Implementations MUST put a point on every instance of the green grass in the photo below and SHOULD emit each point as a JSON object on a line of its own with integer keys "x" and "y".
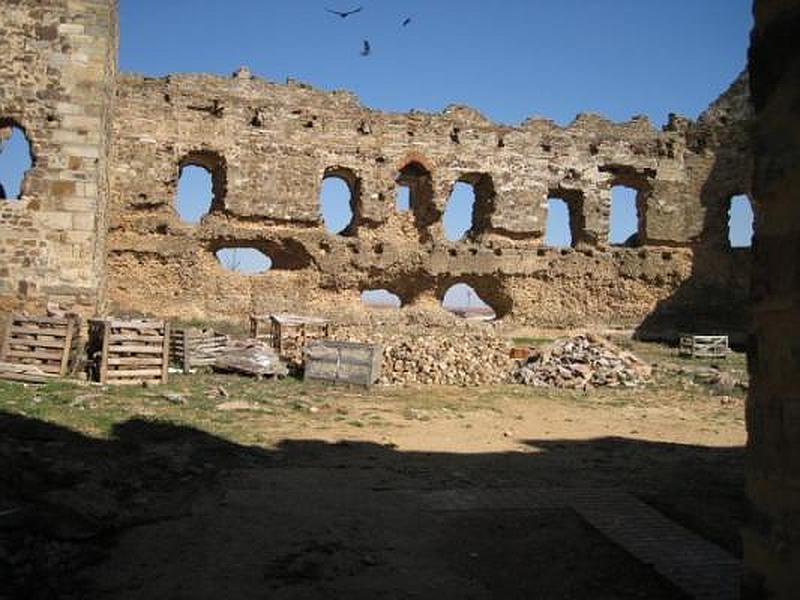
{"x": 291, "y": 404}
{"x": 531, "y": 341}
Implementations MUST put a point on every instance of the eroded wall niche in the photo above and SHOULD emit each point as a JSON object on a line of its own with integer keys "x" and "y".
{"x": 417, "y": 179}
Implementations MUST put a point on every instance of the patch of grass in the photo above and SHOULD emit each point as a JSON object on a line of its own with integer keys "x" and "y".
{"x": 292, "y": 405}
{"x": 531, "y": 341}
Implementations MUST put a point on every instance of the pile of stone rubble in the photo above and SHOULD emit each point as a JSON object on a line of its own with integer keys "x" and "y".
{"x": 458, "y": 358}
{"x": 582, "y": 362}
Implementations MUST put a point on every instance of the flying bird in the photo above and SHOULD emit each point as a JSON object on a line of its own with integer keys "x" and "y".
{"x": 366, "y": 49}
{"x": 345, "y": 13}
{"x": 407, "y": 21}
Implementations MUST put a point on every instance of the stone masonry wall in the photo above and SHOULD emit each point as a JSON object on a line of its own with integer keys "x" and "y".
{"x": 58, "y": 71}
{"x": 771, "y": 542}
{"x": 269, "y": 147}
{"x": 108, "y": 150}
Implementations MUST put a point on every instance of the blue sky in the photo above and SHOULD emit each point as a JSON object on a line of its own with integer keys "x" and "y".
{"x": 510, "y": 60}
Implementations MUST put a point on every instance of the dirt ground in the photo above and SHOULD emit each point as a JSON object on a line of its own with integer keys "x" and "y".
{"x": 218, "y": 486}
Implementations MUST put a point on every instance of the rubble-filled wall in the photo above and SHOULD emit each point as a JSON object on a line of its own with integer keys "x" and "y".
{"x": 771, "y": 542}
{"x": 58, "y": 71}
{"x": 269, "y": 147}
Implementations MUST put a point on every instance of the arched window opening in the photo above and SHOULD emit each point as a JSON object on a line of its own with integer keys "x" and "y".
{"x": 16, "y": 159}
{"x": 558, "y": 228}
{"x": 380, "y": 298}
{"x": 462, "y": 300}
{"x": 470, "y": 206}
{"x": 457, "y": 217}
{"x": 336, "y": 204}
{"x": 194, "y": 193}
{"x": 623, "y": 225}
{"x": 202, "y": 181}
{"x": 740, "y": 222}
{"x": 402, "y": 199}
{"x": 244, "y": 260}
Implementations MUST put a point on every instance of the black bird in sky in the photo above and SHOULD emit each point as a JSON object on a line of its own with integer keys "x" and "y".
{"x": 366, "y": 49}
{"x": 407, "y": 21}
{"x": 345, "y": 13}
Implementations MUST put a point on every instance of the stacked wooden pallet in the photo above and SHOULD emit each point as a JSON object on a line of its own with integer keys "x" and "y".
{"x": 38, "y": 349}
{"x": 191, "y": 347}
{"x": 704, "y": 346}
{"x": 129, "y": 352}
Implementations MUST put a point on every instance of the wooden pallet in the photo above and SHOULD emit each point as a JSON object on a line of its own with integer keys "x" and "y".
{"x": 192, "y": 347}
{"x": 37, "y": 348}
{"x": 129, "y": 352}
{"x": 703, "y": 346}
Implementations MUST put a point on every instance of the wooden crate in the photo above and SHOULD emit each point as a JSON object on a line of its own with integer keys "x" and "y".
{"x": 35, "y": 349}
{"x": 192, "y": 347}
{"x": 289, "y": 334}
{"x": 703, "y": 346}
{"x": 343, "y": 362}
{"x": 261, "y": 328}
{"x": 129, "y": 352}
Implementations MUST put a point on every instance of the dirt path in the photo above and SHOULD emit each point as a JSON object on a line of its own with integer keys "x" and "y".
{"x": 315, "y": 492}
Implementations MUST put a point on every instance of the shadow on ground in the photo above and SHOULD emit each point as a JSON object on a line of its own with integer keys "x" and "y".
{"x": 165, "y": 511}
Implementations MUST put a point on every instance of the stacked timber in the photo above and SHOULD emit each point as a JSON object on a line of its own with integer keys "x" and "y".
{"x": 38, "y": 349}
{"x": 192, "y": 347}
{"x": 289, "y": 333}
{"x": 129, "y": 352}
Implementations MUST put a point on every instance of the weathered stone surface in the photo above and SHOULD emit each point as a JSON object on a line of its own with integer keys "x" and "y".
{"x": 582, "y": 361}
{"x": 463, "y": 357}
{"x": 59, "y": 74}
{"x": 269, "y": 146}
{"x": 771, "y": 542}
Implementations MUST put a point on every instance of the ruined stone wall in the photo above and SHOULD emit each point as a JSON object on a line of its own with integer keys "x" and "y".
{"x": 771, "y": 541}
{"x": 58, "y": 71}
{"x": 108, "y": 151}
{"x": 269, "y": 146}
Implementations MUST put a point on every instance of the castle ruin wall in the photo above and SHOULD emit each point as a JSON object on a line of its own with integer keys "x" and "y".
{"x": 58, "y": 73}
{"x": 269, "y": 146}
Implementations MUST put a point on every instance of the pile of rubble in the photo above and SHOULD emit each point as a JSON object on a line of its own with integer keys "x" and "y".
{"x": 461, "y": 358}
{"x": 582, "y": 361}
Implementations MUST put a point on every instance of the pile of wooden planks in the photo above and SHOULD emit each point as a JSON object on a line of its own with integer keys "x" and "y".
{"x": 39, "y": 349}
{"x": 192, "y": 347}
{"x": 129, "y": 352}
